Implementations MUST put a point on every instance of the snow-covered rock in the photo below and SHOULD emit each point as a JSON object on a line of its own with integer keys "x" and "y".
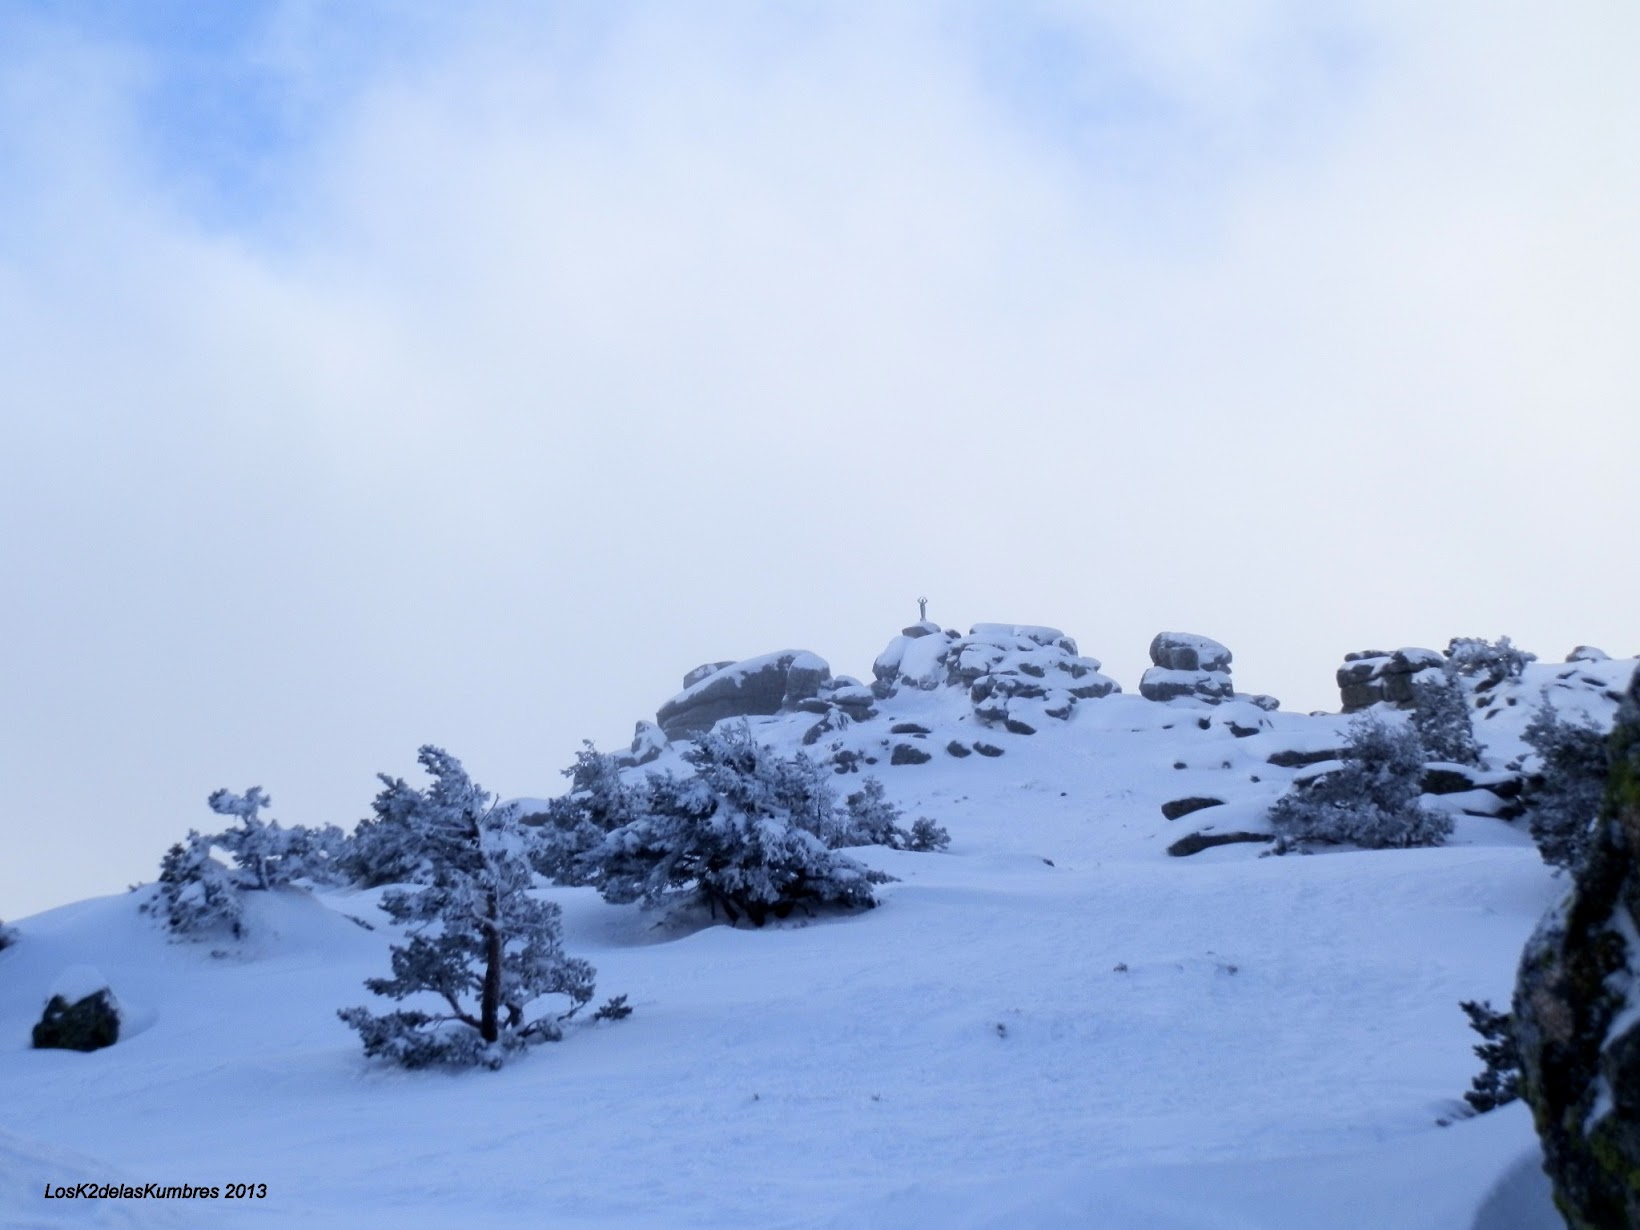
{"x": 760, "y": 685}
{"x": 1577, "y": 1013}
{"x": 1187, "y": 666}
{"x": 1373, "y": 676}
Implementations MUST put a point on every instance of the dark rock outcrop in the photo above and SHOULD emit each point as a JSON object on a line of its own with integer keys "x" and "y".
{"x": 1577, "y": 1011}
{"x": 1301, "y": 760}
{"x": 88, "y": 1024}
{"x": 1175, "y": 808}
{"x": 1373, "y": 676}
{"x": 909, "y": 753}
{"x": 1197, "y": 842}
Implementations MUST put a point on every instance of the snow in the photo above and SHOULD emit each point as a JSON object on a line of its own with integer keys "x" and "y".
{"x": 77, "y": 982}
{"x": 1053, "y": 1023}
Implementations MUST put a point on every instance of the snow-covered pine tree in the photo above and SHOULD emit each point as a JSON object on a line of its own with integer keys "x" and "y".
{"x": 1495, "y": 661}
{"x": 1562, "y": 798}
{"x": 599, "y": 801}
{"x": 196, "y": 895}
{"x": 1370, "y": 800}
{"x": 478, "y": 942}
{"x": 259, "y": 847}
{"x": 386, "y": 847}
{"x": 751, "y": 832}
{"x": 871, "y": 819}
{"x": 1441, "y": 718}
{"x": 1498, "y": 1083}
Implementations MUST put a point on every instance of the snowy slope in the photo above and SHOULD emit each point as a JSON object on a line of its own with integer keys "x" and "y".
{"x": 1053, "y": 1023}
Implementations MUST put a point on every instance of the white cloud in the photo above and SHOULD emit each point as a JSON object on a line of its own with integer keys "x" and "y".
{"x": 568, "y": 355}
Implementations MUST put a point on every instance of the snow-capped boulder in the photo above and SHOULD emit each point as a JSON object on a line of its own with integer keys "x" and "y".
{"x": 761, "y": 685}
{"x": 1374, "y": 676}
{"x": 1577, "y": 1012}
{"x": 702, "y": 671}
{"x": 1186, "y": 666}
{"x": 1184, "y": 651}
{"x": 648, "y": 742}
{"x": 1588, "y": 653}
{"x": 81, "y": 1013}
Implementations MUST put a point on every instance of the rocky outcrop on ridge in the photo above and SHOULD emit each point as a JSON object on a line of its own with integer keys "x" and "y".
{"x": 1018, "y": 676}
{"x": 771, "y": 683}
{"x": 1187, "y": 666}
{"x": 1374, "y": 676}
{"x": 1577, "y": 1011}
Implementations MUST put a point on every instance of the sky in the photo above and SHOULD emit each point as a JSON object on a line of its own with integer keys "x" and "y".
{"x": 379, "y": 374}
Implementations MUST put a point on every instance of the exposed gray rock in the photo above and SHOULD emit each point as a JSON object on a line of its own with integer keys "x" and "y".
{"x": 702, "y": 671}
{"x": 89, "y": 1023}
{"x": 1162, "y": 683}
{"x": 761, "y": 685}
{"x": 648, "y": 742}
{"x": 1575, "y": 1019}
{"x": 1184, "y": 651}
{"x": 1183, "y": 807}
{"x": 909, "y": 753}
{"x": 1446, "y": 779}
{"x": 907, "y": 728}
{"x": 1373, "y": 677}
{"x": 1588, "y": 653}
{"x": 804, "y": 675}
{"x": 987, "y": 749}
{"x": 1197, "y": 842}
{"x": 1300, "y": 760}
{"x": 958, "y": 749}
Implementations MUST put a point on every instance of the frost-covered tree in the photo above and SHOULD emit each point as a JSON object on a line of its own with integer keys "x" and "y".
{"x": 1562, "y": 797}
{"x": 873, "y": 820}
{"x": 752, "y": 833}
{"x": 1495, "y": 661}
{"x": 1498, "y": 1083}
{"x": 196, "y": 895}
{"x": 480, "y": 947}
{"x": 599, "y": 801}
{"x": 388, "y": 846}
{"x": 1441, "y": 718}
{"x": 1370, "y": 800}
{"x": 261, "y": 849}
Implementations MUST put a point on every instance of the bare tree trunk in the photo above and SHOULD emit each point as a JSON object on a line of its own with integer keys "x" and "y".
{"x": 490, "y": 1008}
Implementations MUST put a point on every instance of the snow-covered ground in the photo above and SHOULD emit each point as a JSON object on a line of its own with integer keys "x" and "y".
{"x": 1051, "y": 1024}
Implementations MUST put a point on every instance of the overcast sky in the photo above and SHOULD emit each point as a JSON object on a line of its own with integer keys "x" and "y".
{"x": 384, "y": 373}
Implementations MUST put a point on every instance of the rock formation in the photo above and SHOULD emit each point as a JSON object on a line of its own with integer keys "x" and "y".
{"x": 763, "y": 685}
{"x": 1373, "y": 676}
{"x": 1577, "y": 1011}
{"x": 1018, "y": 676}
{"x": 75, "y": 1022}
{"x": 1187, "y": 666}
